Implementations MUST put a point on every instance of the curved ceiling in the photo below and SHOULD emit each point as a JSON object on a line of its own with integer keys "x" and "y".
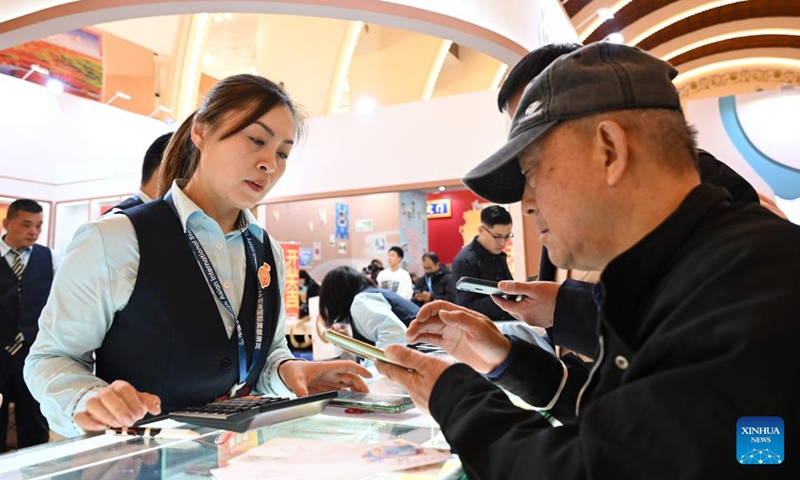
{"x": 720, "y": 47}
{"x": 330, "y": 65}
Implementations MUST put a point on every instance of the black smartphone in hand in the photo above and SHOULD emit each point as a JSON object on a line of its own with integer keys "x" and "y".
{"x": 484, "y": 287}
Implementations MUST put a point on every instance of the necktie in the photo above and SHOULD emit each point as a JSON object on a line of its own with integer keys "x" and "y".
{"x": 16, "y": 267}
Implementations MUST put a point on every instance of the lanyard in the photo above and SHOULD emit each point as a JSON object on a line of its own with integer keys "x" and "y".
{"x": 428, "y": 281}
{"x": 213, "y": 280}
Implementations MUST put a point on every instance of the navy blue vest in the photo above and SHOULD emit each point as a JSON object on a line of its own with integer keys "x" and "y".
{"x": 406, "y": 310}
{"x": 169, "y": 340}
{"x": 37, "y": 278}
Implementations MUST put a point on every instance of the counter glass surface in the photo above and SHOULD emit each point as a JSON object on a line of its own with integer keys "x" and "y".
{"x": 95, "y": 457}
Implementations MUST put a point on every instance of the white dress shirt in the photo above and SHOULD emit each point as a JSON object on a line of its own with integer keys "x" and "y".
{"x": 96, "y": 280}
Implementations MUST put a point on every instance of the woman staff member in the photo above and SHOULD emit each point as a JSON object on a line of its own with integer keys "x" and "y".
{"x": 375, "y": 316}
{"x": 179, "y": 299}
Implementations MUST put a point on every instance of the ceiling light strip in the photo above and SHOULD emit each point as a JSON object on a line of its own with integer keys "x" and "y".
{"x": 599, "y": 19}
{"x": 728, "y": 36}
{"x": 683, "y": 14}
{"x": 340, "y": 85}
{"x": 498, "y": 76}
{"x": 436, "y": 69}
{"x": 192, "y": 58}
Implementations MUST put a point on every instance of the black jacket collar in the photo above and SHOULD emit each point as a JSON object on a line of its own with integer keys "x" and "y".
{"x": 634, "y": 273}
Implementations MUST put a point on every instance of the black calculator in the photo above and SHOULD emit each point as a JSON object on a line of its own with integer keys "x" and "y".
{"x": 250, "y": 412}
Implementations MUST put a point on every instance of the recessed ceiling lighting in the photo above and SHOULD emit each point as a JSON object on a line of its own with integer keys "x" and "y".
{"x": 605, "y": 13}
{"x": 441, "y": 189}
{"x": 365, "y": 105}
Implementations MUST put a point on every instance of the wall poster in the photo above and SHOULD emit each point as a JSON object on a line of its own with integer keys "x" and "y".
{"x": 75, "y": 58}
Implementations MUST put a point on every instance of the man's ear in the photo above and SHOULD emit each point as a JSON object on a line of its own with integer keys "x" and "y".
{"x": 198, "y": 134}
{"x": 612, "y": 142}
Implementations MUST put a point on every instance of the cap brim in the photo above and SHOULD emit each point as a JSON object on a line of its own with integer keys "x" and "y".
{"x": 499, "y": 178}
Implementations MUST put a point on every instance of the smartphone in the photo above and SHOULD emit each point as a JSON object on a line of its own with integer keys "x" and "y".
{"x": 373, "y": 402}
{"x": 484, "y": 287}
{"x": 356, "y": 347}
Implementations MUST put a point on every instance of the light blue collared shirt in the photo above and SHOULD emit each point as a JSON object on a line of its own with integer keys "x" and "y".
{"x": 96, "y": 280}
{"x": 373, "y": 317}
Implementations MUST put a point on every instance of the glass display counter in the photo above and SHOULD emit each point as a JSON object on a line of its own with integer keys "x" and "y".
{"x": 127, "y": 458}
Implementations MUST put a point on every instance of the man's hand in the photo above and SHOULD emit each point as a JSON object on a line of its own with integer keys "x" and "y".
{"x": 538, "y": 306}
{"x": 306, "y": 378}
{"x": 424, "y": 297}
{"x": 420, "y": 375}
{"x": 117, "y": 405}
{"x": 469, "y": 336}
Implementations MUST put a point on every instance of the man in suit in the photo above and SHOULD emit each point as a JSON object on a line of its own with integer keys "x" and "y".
{"x": 26, "y": 275}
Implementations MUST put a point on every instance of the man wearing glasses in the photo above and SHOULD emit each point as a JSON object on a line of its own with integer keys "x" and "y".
{"x": 484, "y": 258}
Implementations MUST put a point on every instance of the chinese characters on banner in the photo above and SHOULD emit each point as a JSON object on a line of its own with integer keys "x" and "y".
{"x": 291, "y": 297}
{"x": 440, "y": 208}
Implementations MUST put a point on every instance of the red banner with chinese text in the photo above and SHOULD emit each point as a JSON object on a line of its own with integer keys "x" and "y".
{"x": 291, "y": 297}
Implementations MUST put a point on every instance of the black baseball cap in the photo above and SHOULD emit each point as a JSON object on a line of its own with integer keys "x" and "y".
{"x": 599, "y": 77}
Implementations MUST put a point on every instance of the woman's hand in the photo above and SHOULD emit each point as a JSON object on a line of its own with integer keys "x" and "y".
{"x": 306, "y": 378}
{"x": 117, "y": 405}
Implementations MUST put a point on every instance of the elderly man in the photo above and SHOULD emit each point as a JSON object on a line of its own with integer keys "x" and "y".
{"x": 696, "y": 304}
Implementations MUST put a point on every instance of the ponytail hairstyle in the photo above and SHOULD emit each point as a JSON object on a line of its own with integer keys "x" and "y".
{"x": 339, "y": 288}
{"x": 252, "y": 95}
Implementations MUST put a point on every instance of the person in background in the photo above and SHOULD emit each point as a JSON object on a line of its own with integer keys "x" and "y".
{"x": 309, "y": 288}
{"x": 26, "y": 276}
{"x": 372, "y": 270}
{"x": 148, "y": 188}
{"x": 604, "y": 163}
{"x": 395, "y": 278}
{"x": 376, "y": 316}
{"x": 438, "y": 283}
{"x": 485, "y": 259}
{"x": 176, "y": 302}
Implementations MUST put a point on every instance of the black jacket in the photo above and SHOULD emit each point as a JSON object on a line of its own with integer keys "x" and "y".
{"x": 698, "y": 326}
{"x": 443, "y": 283}
{"x": 475, "y": 261}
